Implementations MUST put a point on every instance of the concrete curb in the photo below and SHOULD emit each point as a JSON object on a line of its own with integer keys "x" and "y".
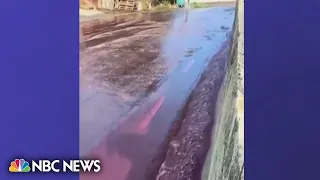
{"x": 225, "y": 159}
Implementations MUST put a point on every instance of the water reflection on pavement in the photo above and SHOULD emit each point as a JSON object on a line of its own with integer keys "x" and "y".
{"x": 135, "y": 76}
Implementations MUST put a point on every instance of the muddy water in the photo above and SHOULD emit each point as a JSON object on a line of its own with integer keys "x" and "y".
{"x": 168, "y": 52}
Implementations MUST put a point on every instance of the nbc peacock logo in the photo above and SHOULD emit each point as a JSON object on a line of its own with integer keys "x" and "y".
{"x": 19, "y": 165}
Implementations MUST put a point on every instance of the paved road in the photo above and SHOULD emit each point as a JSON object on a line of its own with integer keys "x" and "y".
{"x": 137, "y": 71}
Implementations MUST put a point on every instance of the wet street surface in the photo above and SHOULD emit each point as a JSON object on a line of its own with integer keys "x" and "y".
{"x": 136, "y": 74}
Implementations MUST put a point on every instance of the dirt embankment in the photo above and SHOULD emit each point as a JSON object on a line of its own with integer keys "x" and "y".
{"x": 86, "y": 4}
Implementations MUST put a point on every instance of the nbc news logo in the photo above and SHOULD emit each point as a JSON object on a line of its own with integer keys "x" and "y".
{"x": 77, "y": 165}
